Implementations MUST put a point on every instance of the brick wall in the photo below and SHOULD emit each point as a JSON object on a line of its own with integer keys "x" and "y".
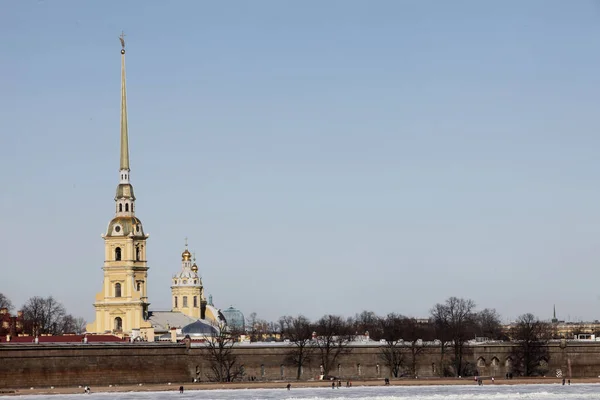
{"x": 38, "y": 365}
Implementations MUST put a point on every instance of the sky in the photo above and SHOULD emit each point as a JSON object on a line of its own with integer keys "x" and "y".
{"x": 322, "y": 157}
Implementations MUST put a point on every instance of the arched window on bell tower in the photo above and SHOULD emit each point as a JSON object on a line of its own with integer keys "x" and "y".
{"x": 118, "y": 254}
{"x": 127, "y": 207}
{"x": 137, "y": 253}
{"x": 117, "y": 290}
{"x": 120, "y": 207}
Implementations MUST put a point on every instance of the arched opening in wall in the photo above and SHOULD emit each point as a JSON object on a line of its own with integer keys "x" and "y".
{"x": 120, "y": 207}
{"x": 195, "y": 301}
{"x": 495, "y": 362}
{"x": 126, "y": 207}
{"x": 117, "y": 290}
{"x": 139, "y": 286}
{"x": 262, "y": 370}
{"x": 176, "y": 302}
{"x": 282, "y": 371}
{"x": 137, "y": 253}
{"x": 118, "y": 254}
{"x": 480, "y": 362}
{"x": 358, "y": 370}
{"x": 118, "y": 324}
{"x": 508, "y": 364}
{"x": 339, "y": 369}
{"x": 185, "y": 301}
{"x": 378, "y": 370}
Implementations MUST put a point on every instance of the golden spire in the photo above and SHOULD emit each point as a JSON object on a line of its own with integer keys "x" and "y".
{"x": 124, "y": 137}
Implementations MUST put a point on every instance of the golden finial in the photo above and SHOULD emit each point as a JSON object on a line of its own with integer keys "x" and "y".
{"x": 122, "y": 39}
{"x": 186, "y": 255}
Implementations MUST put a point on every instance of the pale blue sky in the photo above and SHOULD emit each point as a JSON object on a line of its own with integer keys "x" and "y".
{"x": 321, "y": 156}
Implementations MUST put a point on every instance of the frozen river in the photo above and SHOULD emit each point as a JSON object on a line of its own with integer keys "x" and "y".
{"x": 487, "y": 392}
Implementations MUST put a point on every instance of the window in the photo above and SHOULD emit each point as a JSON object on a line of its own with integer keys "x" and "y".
{"x": 117, "y": 290}
{"x": 126, "y": 206}
{"x": 137, "y": 251}
{"x": 118, "y": 324}
{"x": 185, "y": 301}
{"x": 176, "y": 303}
{"x": 139, "y": 286}
{"x": 481, "y": 362}
{"x": 118, "y": 254}
{"x": 120, "y": 207}
{"x": 195, "y": 301}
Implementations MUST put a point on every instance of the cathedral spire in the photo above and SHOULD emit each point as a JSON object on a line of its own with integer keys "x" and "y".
{"x": 124, "y": 136}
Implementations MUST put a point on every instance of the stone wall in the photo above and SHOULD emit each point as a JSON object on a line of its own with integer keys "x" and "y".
{"x": 37, "y": 365}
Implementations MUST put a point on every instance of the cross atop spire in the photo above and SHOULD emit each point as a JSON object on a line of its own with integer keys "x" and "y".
{"x": 186, "y": 244}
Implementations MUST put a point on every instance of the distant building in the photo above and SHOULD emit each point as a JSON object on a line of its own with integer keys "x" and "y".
{"x": 234, "y": 318}
{"x": 10, "y": 324}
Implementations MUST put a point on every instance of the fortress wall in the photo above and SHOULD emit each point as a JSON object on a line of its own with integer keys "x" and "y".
{"x": 38, "y": 365}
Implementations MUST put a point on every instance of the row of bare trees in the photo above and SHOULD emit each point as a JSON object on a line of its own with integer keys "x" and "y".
{"x": 403, "y": 340}
{"x": 44, "y": 315}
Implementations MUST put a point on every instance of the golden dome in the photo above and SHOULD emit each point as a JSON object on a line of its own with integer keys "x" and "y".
{"x": 186, "y": 255}
{"x": 195, "y": 268}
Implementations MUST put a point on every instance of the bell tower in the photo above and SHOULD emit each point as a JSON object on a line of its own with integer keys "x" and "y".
{"x": 187, "y": 291}
{"x": 122, "y": 304}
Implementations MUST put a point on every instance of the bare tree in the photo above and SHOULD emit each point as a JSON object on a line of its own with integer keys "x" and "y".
{"x": 5, "y": 302}
{"x": 367, "y": 321}
{"x": 413, "y": 334}
{"x": 458, "y": 317}
{"x": 440, "y": 323}
{"x": 218, "y": 350}
{"x": 298, "y": 330}
{"x": 530, "y": 351}
{"x": 43, "y": 316}
{"x": 332, "y": 337}
{"x": 70, "y": 324}
{"x": 391, "y": 352}
{"x": 488, "y": 324}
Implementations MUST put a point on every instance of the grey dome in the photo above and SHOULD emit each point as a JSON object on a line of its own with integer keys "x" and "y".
{"x": 199, "y": 328}
{"x": 234, "y": 318}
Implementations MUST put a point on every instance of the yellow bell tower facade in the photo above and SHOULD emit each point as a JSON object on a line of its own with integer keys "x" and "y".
{"x": 187, "y": 291}
{"x": 122, "y": 304}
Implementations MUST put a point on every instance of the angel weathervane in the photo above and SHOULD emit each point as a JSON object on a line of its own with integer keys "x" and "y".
{"x": 122, "y": 39}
